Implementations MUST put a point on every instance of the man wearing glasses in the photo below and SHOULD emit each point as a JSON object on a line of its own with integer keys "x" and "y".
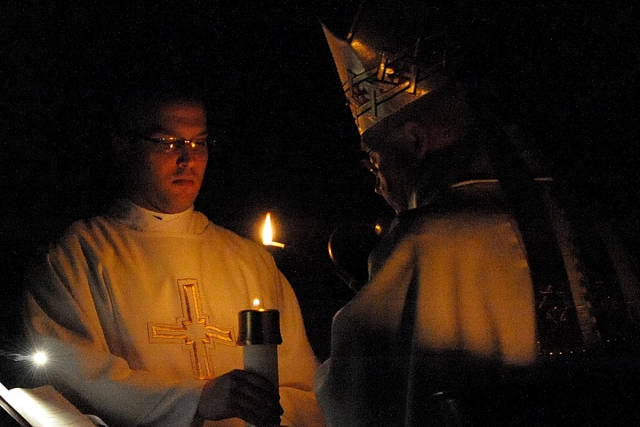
{"x": 138, "y": 309}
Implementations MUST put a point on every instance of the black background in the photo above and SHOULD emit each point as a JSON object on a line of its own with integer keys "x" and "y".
{"x": 286, "y": 140}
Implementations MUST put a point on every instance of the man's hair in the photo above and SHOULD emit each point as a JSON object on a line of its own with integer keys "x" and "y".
{"x": 136, "y": 110}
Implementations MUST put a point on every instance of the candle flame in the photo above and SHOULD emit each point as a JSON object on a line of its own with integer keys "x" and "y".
{"x": 267, "y": 233}
{"x": 257, "y": 304}
{"x": 267, "y": 230}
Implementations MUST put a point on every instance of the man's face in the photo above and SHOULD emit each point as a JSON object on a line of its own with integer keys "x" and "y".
{"x": 168, "y": 181}
{"x": 394, "y": 168}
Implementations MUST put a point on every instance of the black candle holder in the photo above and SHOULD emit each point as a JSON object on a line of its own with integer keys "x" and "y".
{"x": 259, "y": 327}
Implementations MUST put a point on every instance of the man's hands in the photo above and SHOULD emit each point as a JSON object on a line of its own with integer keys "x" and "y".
{"x": 241, "y": 394}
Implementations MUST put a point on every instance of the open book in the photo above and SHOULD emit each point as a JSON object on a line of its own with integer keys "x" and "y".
{"x": 43, "y": 407}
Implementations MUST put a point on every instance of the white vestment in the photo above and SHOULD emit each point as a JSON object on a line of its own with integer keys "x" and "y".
{"x": 465, "y": 267}
{"x": 138, "y": 309}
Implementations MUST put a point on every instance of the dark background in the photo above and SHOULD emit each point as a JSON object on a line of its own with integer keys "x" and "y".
{"x": 286, "y": 140}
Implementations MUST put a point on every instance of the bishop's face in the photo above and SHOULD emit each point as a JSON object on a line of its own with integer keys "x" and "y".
{"x": 394, "y": 167}
{"x": 167, "y": 179}
{"x": 404, "y": 158}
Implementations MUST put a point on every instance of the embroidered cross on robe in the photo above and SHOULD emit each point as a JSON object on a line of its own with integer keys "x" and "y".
{"x": 193, "y": 330}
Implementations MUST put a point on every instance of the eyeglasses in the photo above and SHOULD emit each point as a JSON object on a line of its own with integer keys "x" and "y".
{"x": 381, "y": 141}
{"x": 170, "y": 145}
{"x": 370, "y": 161}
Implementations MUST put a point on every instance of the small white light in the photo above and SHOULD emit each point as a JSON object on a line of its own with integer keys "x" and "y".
{"x": 39, "y": 358}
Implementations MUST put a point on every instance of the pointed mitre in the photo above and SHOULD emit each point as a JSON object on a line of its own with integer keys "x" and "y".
{"x": 392, "y": 56}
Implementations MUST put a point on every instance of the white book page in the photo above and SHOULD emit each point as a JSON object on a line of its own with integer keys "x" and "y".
{"x": 45, "y": 407}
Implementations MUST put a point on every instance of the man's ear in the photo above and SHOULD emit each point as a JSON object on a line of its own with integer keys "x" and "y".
{"x": 428, "y": 137}
{"x": 417, "y": 136}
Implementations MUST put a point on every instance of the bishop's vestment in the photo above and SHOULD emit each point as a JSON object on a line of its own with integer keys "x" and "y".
{"x": 449, "y": 308}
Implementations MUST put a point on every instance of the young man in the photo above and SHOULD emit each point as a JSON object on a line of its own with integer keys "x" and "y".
{"x": 138, "y": 309}
{"x": 480, "y": 296}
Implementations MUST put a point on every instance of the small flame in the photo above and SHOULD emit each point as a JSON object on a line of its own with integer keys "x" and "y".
{"x": 267, "y": 233}
{"x": 267, "y": 230}
{"x": 257, "y": 304}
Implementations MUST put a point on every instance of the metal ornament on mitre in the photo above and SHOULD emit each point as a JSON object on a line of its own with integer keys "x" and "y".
{"x": 387, "y": 62}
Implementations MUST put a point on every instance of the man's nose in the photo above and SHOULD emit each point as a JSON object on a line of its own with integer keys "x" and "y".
{"x": 378, "y": 186}
{"x": 185, "y": 153}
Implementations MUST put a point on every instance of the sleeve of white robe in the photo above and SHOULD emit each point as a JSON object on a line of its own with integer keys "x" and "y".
{"x": 471, "y": 280}
{"x": 62, "y": 319}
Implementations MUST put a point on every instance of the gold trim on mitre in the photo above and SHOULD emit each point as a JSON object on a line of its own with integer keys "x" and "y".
{"x": 378, "y": 84}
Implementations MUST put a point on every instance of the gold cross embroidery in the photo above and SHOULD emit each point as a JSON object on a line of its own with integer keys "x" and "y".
{"x": 192, "y": 327}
